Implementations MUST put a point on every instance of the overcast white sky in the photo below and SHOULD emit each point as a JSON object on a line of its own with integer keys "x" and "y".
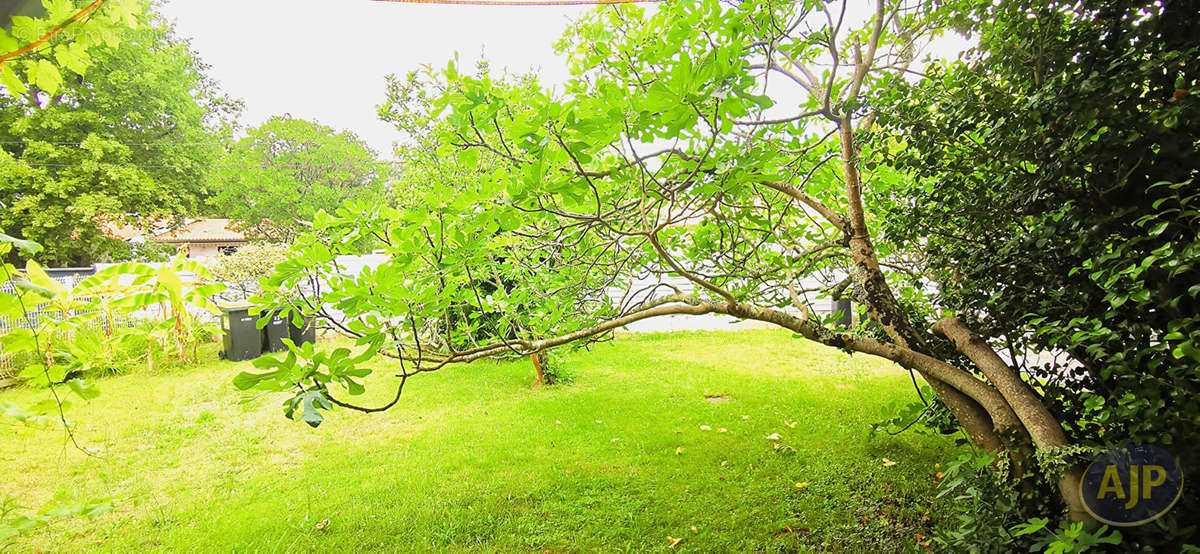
{"x": 326, "y": 60}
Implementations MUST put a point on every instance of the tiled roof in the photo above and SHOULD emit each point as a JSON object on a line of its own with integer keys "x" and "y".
{"x": 125, "y": 227}
{"x": 204, "y": 230}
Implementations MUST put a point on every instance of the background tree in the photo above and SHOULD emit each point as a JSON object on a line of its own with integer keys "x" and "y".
{"x": 241, "y": 271}
{"x": 38, "y": 46}
{"x": 135, "y": 134}
{"x": 287, "y": 168}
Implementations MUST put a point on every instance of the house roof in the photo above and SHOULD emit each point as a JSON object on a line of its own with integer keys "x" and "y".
{"x": 169, "y": 231}
{"x": 126, "y": 227}
{"x": 204, "y": 230}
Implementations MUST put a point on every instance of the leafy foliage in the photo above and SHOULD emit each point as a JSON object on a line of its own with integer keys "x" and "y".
{"x": 131, "y": 137}
{"x": 1055, "y": 202}
{"x": 662, "y": 155}
{"x": 241, "y": 270}
{"x": 76, "y": 336}
{"x": 179, "y": 289}
{"x": 286, "y": 169}
{"x": 14, "y": 520}
{"x": 38, "y": 49}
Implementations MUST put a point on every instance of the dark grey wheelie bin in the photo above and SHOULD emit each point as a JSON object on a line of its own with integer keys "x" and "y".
{"x": 274, "y": 332}
{"x": 305, "y": 333}
{"x": 242, "y": 339}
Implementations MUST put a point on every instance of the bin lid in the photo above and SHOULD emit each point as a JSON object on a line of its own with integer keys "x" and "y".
{"x": 235, "y": 307}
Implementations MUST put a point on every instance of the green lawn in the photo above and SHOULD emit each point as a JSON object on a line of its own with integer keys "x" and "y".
{"x": 475, "y": 459}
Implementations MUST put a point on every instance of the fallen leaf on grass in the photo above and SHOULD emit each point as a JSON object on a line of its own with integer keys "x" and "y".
{"x": 791, "y": 424}
{"x": 773, "y": 437}
{"x": 615, "y": 439}
{"x": 801, "y": 485}
{"x": 322, "y": 525}
{"x": 722, "y": 430}
{"x": 674, "y": 541}
{"x": 694, "y": 529}
{"x": 598, "y": 421}
{"x": 679, "y": 451}
{"x": 888, "y": 463}
{"x": 705, "y": 428}
{"x": 558, "y": 422}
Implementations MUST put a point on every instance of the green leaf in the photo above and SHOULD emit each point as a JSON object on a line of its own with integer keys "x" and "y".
{"x": 1032, "y": 526}
{"x": 7, "y": 42}
{"x": 40, "y": 278}
{"x": 1186, "y": 349}
{"x": 25, "y": 285}
{"x": 322, "y": 220}
{"x": 59, "y": 10}
{"x": 9, "y": 79}
{"x": 18, "y": 340}
{"x": 27, "y": 247}
{"x": 246, "y": 380}
{"x": 85, "y": 390}
{"x": 26, "y": 28}
{"x": 73, "y": 56}
{"x": 10, "y": 306}
{"x": 168, "y": 281}
{"x": 46, "y": 76}
{"x": 312, "y": 402}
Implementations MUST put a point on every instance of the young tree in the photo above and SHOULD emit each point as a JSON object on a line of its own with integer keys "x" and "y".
{"x": 241, "y": 271}
{"x": 133, "y": 134}
{"x": 721, "y": 144}
{"x": 288, "y": 168}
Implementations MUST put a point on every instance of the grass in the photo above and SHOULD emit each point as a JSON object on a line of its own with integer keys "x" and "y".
{"x": 474, "y": 458}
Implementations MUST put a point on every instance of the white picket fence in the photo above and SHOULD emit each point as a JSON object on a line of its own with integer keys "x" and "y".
{"x": 10, "y": 364}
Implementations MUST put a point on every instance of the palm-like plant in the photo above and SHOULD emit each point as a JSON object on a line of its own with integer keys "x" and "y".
{"x": 130, "y": 287}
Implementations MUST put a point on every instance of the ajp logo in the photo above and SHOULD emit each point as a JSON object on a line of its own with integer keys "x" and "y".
{"x": 1132, "y": 485}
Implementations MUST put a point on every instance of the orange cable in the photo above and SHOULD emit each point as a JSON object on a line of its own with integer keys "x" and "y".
{"x": 518, "y": 2}
{"x": 56, "y": 30}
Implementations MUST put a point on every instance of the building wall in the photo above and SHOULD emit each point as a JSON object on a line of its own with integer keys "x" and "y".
{"x": 202, "y": 251}
{"x": 207, "y": 251}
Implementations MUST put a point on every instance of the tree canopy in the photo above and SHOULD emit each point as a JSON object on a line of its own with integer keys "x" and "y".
{"x": 134, "y": 135}
{"x": 287, "y": 169}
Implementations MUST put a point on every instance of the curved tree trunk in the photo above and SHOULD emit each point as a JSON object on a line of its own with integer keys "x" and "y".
{"x": 972, "y": 409}
{"x": 881, "y": 304}
{"x": 1043, "y": 428}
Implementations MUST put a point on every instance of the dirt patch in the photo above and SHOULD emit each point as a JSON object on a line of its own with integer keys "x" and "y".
{"x": 717, "y": 398}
